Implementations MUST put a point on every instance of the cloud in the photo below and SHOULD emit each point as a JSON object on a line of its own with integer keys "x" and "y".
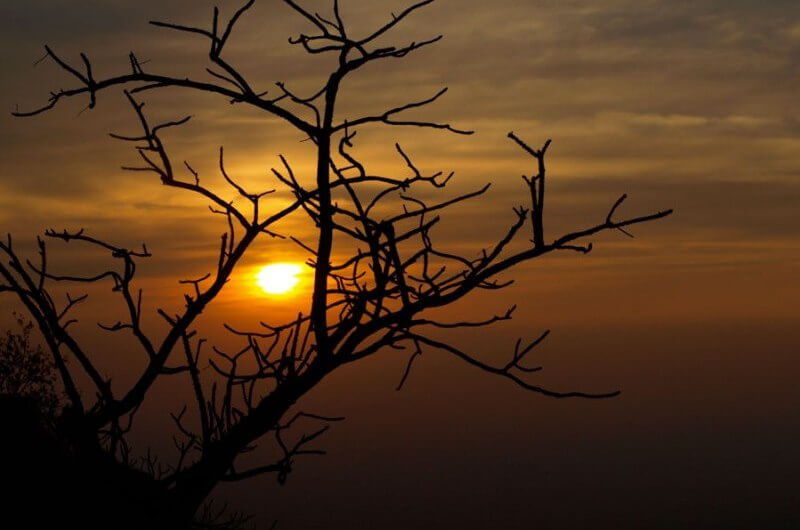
{"x": 690, "y": 105}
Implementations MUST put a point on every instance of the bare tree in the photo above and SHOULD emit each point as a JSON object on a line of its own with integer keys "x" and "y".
{"x": 375, "y": 299}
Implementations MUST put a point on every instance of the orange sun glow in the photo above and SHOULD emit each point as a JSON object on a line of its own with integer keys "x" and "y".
{"x": 278, "y": 278}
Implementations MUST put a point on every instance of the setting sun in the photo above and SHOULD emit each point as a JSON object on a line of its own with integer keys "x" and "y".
{"x": 278, "y": 278}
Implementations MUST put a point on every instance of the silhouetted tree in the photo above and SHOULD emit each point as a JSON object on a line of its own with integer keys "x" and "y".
{"x": 375, "y": 299}
{"x": 27, "y": 372}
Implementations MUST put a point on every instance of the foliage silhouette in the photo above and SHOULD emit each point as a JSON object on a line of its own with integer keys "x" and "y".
{"x": 27, "y": 372}
{"x": 371, "y": 300}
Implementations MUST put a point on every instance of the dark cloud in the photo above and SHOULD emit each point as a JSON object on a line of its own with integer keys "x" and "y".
{"x": 688, "y": 105}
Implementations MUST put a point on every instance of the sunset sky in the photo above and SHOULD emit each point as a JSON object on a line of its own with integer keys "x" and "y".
{"x": 690, "y": 105}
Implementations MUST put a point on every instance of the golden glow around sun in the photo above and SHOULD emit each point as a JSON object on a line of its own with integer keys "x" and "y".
{"x": 278, "y": 278}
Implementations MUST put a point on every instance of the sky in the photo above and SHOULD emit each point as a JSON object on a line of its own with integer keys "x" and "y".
{"x": 683, "y": 105}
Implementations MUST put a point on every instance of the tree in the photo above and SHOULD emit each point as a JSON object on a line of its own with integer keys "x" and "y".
{"x": 376, "y": 298}
{"x": 27, "y": 371}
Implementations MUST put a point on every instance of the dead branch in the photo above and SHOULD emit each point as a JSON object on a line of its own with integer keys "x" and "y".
{"x": 379, "y": 269}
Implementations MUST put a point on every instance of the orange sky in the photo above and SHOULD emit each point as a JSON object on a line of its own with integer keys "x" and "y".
{"x": 684, "y": 105}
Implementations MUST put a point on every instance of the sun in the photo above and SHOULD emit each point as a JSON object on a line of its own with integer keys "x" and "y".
{"x": 278, "y": 278}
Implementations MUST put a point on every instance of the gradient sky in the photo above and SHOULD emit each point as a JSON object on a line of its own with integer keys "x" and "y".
{"x": 688, "y": 105}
